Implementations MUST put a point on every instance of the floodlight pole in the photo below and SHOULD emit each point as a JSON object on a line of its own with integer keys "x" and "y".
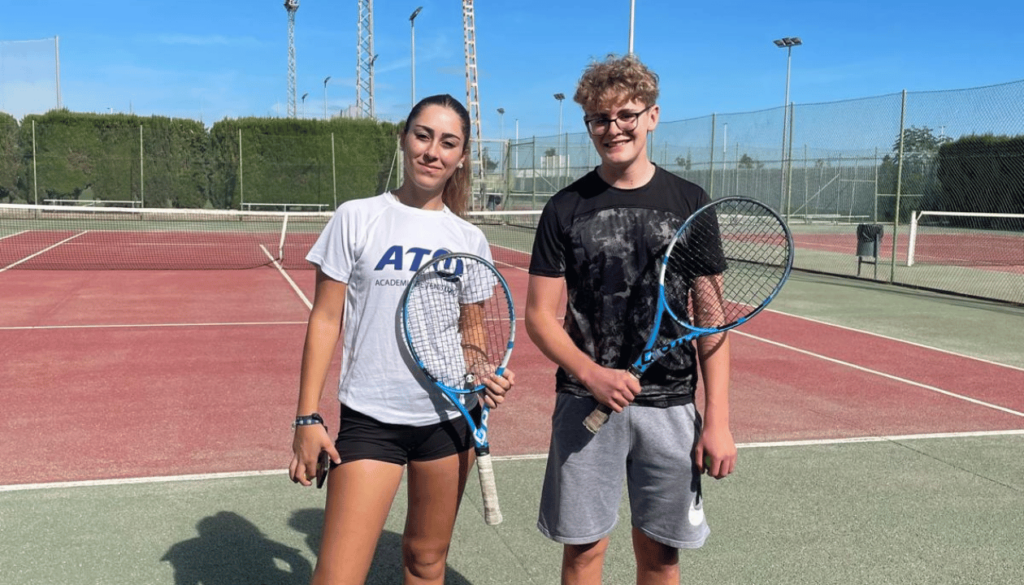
{"x": 632, "y": 15}
{"x": 785, "y": 43}
{"x": 501, "y": 119}
{"x": 56, "y": 54}
{"x": 412, "y": 32}
{"x": 326, "y": 79}
{"x": 560, "y": 97}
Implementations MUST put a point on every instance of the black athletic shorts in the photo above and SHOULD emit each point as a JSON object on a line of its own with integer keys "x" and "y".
{"x": 363, "y": 437}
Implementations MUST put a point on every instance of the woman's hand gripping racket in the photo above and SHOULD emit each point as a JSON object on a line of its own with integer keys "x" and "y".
{"x": 460, "y": 325}
{"x": 722, "y": 267}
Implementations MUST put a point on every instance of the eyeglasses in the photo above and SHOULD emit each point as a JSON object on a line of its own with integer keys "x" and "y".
{"x": 626, "y": 121}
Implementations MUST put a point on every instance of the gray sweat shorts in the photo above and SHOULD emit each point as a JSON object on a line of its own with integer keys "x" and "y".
{"x": 646, "y": 448}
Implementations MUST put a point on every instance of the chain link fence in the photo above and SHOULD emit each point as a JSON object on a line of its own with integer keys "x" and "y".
{"x": 942, "y": 173}
{"x": 832, "y": 167}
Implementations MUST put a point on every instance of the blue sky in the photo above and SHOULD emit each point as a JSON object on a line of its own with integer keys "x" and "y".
{"x": 228, "y": 58}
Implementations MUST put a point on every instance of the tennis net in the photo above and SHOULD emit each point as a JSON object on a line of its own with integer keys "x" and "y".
{"x": 46, "y": 237}
{"x": 510, "y": 234}
{"x": 51, "y": 237}
{"x": 966, "y": 239}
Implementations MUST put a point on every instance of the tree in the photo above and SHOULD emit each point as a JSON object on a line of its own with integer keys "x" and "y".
{"x": 919, "y": 144}
{"x": 685, "y": 162}
{"x": 746, "y": 162}
{"x": 919, "y": 179}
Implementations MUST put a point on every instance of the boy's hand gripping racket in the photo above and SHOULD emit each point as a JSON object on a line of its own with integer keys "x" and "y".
{"x": 722, "y": 267}
{"x": 459, "y": 323}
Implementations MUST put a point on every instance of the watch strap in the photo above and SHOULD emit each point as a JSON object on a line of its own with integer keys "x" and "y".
{"x": 312, "y": 419}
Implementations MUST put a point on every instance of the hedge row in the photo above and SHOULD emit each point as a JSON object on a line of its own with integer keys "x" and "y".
{"x": 164, "y": 162}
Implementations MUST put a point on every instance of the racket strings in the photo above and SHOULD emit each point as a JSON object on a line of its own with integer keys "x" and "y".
{"x": 458, "y": 324}
{"x": 728, "y": 263}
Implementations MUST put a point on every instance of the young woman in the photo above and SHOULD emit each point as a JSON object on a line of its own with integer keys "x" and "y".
{"x": 390, "y": 418}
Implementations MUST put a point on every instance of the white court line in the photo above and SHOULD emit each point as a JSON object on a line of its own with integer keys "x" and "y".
{"x": 888, "y": 338}
{"x": 839, "y": 441}
{"x": 13, "y": 235}
{"x": 884, "y": 375}
{"x": 528, "y": 457}
{"x": 139, "y": 480}
{"x": 43, "y": 251}
{"x": 288, "y": 278}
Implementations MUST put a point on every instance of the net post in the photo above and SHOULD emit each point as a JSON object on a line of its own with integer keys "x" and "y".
{"x": 913, "y": 237}
{"x": 280, "y": 245}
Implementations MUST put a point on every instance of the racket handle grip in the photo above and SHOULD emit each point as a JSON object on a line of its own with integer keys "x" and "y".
{"x": 489, "y": 490}
{"x": 597, "y": 417}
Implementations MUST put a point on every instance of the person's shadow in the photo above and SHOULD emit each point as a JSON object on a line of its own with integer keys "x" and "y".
{"x": 230, "y": 550}
{"x": 387, "y": 561}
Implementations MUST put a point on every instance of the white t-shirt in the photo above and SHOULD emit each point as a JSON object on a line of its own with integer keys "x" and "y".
{"x": 375, "y": 245}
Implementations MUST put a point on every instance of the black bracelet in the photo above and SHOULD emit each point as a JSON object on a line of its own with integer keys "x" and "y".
{"x": 313, "y": 419}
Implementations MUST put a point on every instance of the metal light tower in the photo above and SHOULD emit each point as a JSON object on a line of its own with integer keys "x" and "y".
{"x": 786, "y": 43}
{"x": 292, "y": 6}
{"x": 364, "y": 61}
{"x": 473, "y": 88}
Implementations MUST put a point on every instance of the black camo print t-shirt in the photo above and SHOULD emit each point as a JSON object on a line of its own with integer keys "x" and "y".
{"x": 606, "y": 243}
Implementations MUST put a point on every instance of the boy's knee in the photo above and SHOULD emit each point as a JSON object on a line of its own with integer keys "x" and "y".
{"x": 584, "y": 555}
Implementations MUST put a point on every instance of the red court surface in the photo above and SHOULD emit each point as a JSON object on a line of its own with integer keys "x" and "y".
{"x": 128, "y": 374}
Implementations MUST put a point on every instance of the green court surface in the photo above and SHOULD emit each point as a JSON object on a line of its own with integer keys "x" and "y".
{"x": 885, "y": 508}
{"x": 901, "y": 511}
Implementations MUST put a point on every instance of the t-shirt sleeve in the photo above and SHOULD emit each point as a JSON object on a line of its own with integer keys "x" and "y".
{"x": 334, "y": 250}
{"x": 548, "y": 256}
{"x": 708, "y": 256}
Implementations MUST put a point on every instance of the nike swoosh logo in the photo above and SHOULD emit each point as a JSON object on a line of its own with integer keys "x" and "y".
{"x": 696, "y": 515}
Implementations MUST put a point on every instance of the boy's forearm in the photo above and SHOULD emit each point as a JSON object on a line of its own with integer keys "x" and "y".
{"x": 713, "y": 352}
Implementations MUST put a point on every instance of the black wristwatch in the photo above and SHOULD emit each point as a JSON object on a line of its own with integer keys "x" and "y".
{"x": 313, "y": 419}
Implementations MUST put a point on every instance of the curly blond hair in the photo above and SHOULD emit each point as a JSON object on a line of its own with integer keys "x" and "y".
{"x": 616, "y": 77}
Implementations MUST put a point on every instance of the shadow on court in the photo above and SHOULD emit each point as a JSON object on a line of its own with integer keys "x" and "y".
{"x": 230, "y": 550}
{"x": 387, "y": 561}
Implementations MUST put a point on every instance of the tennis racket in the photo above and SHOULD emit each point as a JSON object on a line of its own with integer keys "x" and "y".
{"x": 460, "y": 325}
{"x": 723, "y": 266}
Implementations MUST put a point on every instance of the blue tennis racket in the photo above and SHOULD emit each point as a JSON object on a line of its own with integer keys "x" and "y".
{"x": 460, "y": 326}
{"x": 722, "y": 267}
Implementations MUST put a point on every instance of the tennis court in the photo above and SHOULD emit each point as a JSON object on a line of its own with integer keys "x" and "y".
{"x": 146, "y": 434}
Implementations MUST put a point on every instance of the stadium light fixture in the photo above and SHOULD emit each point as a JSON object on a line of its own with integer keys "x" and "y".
{"x": 501, "y": 117}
